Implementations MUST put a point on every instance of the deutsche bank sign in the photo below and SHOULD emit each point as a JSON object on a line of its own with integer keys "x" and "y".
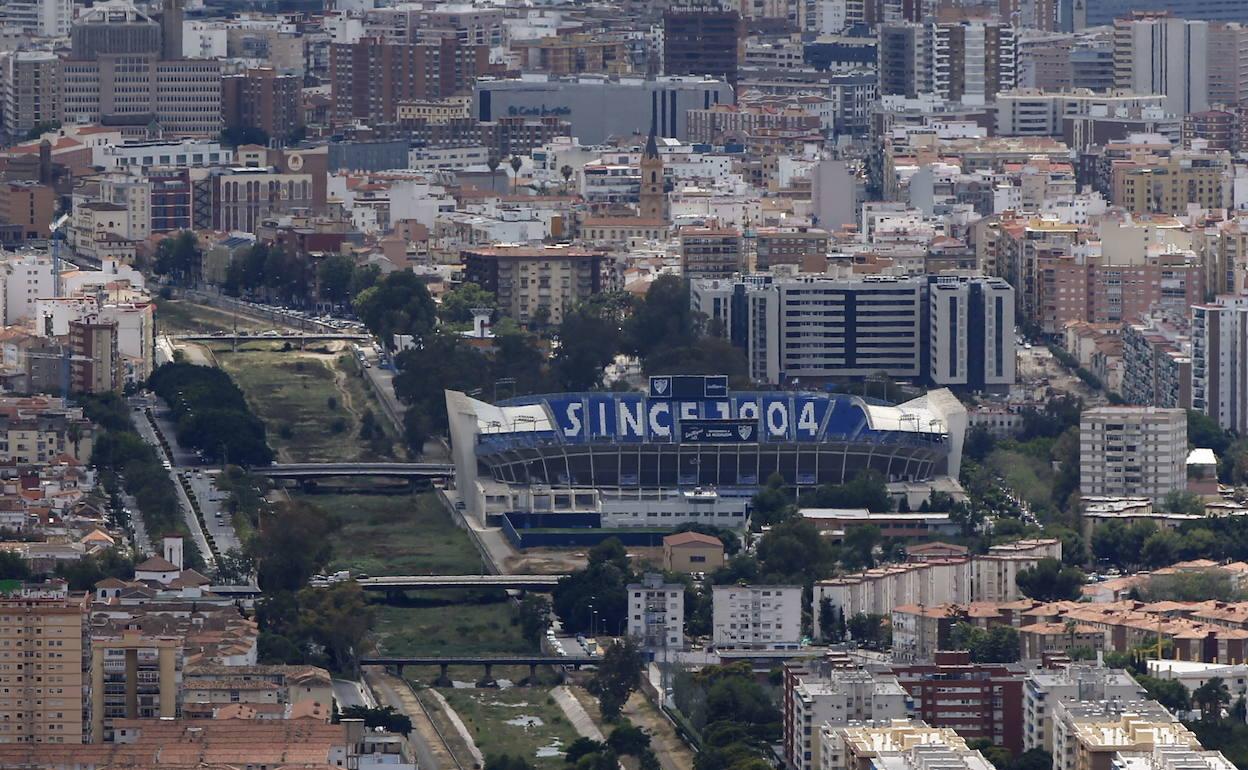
{"x": 633, "y": 418}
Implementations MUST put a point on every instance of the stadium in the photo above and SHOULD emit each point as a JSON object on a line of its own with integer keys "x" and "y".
{"x": 688, "y": 450}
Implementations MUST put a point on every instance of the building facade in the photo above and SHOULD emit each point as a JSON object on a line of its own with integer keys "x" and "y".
{"x": 756, "y": 617}
{"x": 42, "y": 643}
{"x": 656, "y": 613}
{"x": 1132, "y": 450}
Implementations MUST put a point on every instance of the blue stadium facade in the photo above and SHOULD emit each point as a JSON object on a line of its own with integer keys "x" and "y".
{"x": 693, "y": 432}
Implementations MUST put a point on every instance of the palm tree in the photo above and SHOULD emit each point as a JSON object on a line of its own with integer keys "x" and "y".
{"x": 492, "y": 162}
{"x": 567, "y": 172}
{"x": 515, "y": 171}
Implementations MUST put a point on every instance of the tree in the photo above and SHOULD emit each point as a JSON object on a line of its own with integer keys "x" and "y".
{"x": 1210, "y": 697}
{"x": 870, "y": 630}
{"x": 13, "y": 566}
{"x": 83, "y": 574}
{"x": 859, "y": 546}
{"x": 398, "y": 304}
{"x": 334, "y": 277}
{"x": 794, "y": 552}
{"x": 177, "y": 256}
{"x": 1168, "y": 692}
{"x": 506, "y": 762}
{"x": 363, "y": 277}
{"x": 867, "y": 489}
{"x": 582, "y": 747}
{"x": 291, "y": 546}
{"x": 458, "y": 303}
{"x": 831, "y": 621}
{"x": 587, "y": 343}
{"x": 492, "y": 162}
{"x": 1049, "y": 581}
{"x": 534, "y": 617}
{"x": 628, "y": 739}
{"x": 515, "y": 163}
{"x": 618, "y": 675}
{"x": 566, "y": 172}
{"x": 340, "y": 620}
{"x": 234, "y": 568}
{"x": 384, "y": 717}
{"x": 997, "y": 644}
{"x": 1183, "y": 501}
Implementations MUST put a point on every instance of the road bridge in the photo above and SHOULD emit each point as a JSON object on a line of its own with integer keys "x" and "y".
{"x": 487, "y": 662}
{"x": 289, "y": 337}
{"x": 418, "y": 582}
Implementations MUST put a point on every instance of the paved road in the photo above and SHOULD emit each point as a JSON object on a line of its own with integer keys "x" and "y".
{"x": 212, "y": 502}
{"x": 350, "y": 693}
{"x": 430, "y": 752}
{"x": 188, "y": 513}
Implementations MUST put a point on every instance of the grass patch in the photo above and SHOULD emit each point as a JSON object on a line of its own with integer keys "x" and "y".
{"x": 451, "y": 623}
{"x": 486, "y": 714}
{"x": 178, "y": 317}
{"x": 1031, "y": 478}
{"x": 312, "y": 415}
{"x": 398, "y": 535}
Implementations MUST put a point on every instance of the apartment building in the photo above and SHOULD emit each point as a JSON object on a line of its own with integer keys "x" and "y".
{"x": 903, "y": 744}
{"x": 967, "y": 61}
{"x": 979, "y": 700}
{"x": 805, "y": 247}
{"x": 1157, "y": 365}
{"x": 656, "y": 613}
{"x": 37, "y": 18}
{"x": 756, "y": 617}
{"x": 994, "y": 575}
{"x": 1132, "y": 450}
{"x": 368, "y": 78}
{"x": 710, "y": 251}
{"x": 702, "y": 41}
{"x": 30, "y": 91}
{"x": 1037, "y": 112}
{"x": 1169, "y": 185}
{"x": 40, "y": 429}
{"x": 42, "y": 644}
{"x": 263, "y": 98}
{"x": 528, "y": 280}
{"x": 947, "y": 330}
{"x": 1228, "y": 63}
{"x": 816, "y": 695}
{"x": 95, "y": 365}
{"x": 1219, "y": 364}
{"x": 1155, "y": 53}
{"x": 1088, "y": 735}
{"x": 1043, "y": 689}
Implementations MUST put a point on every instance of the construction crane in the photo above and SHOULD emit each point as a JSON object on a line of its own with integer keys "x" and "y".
{"x": 58, "y": 235}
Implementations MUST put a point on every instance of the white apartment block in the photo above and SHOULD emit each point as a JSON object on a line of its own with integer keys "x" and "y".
{"x": 1034, "y": 112}
{"x": 27, "y": 276}
{"x": 756, "y": 617}
{"x": 839, "y": 698}
{"x": 988, "y": 577}
{"x": 1045, "y": 688}
{"x": 656, "y": 613}
{"x": 1219, "y": 361}
{"x": 1132, "y": 451}
{"x": 902, "y": 744}
{"x": 38, "y": 18}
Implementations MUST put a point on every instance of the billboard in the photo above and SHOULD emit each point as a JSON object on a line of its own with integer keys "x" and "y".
{"x": 634, "y": 418}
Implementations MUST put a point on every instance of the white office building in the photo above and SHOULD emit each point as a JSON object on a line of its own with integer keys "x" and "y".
{"x": 656, "y": 613}
{"x": 756, "y": 617}
{"x": 1132, "y": 451}
{"x": 1164, "y": 55}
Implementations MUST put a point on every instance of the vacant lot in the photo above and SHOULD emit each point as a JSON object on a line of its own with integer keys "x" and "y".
{"x": 520, "y": 721}
{"x": 311, "y": 405}
{"x": 398, "y": 535}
